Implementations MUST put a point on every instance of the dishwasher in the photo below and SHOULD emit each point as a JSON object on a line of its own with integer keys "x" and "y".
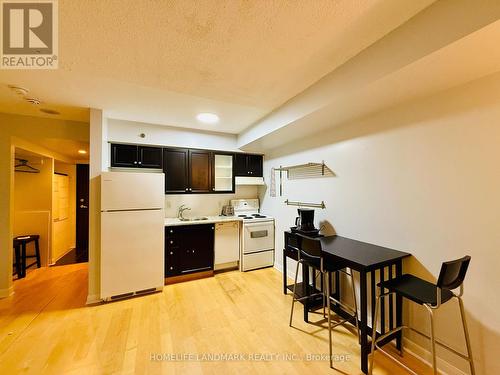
{"x": 227, "y": 245}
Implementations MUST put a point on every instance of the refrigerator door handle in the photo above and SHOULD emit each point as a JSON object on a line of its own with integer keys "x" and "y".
{"x": 134, "y": 209}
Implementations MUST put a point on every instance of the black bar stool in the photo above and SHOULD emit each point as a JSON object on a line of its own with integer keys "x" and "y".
{"x": 309, "y": 255}
{"x": 20, "y": 253}
{"x": 432, "y": 296}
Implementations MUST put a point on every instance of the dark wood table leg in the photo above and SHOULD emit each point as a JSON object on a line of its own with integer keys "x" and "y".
{"x": 23, "y": 259}
{"x": 17, "y": 250}
{"x": 364, "y": 322}
{"x": 337, "y": 286}
{"x": 37, "y": 253}
{"x": 285, "y": 290}
{"x": 399, "y": 306}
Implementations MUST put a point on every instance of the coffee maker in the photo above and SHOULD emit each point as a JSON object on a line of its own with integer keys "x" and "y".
{"x": 304, "y": 223}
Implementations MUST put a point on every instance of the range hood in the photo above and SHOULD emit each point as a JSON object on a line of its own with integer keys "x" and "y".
{"x": 249, "y": 180}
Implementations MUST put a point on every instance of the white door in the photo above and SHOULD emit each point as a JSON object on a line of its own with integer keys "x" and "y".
{"x": 258, "y": 236}
{"x": 132, "y": 191}
{"x": 132, "y": 251}
{"x": 227, "y": 242}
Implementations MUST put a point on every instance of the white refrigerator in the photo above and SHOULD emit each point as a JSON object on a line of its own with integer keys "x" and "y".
{"x": 132, "y": 233}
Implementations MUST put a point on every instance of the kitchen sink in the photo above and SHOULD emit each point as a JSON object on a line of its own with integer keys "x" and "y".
{"x": 194, "y": 218}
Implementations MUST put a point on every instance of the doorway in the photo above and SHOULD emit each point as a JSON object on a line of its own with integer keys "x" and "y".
{"x": 80, "y": 253}
{"x": 82, "y": 212}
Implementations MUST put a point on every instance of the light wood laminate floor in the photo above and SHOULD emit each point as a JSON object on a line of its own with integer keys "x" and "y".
{"x": 45, "y": 328}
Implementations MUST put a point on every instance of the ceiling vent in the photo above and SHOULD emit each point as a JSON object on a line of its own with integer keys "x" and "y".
{"x": 34, "y": 101}
{"x": 49, "y": 111}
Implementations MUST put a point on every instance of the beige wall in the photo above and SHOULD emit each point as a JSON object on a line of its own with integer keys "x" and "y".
{"x": 423, "y": 177}
{"x": 23, "y": 131}
{"x": 6, "y": 211}
{"x": 33, "y": 203}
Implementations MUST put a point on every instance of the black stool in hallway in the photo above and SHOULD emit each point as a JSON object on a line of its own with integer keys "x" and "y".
{"x": 20, "y": 243}
{"x": 432, "y": 296}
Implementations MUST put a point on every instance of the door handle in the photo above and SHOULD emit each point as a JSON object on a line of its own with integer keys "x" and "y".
{"x": 83, "y": 206}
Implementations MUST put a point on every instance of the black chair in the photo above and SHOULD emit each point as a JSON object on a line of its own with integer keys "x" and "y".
{"x": 432, "y": 296}
{"x": 20, "y": 243}
{"x": 309, "y": 255}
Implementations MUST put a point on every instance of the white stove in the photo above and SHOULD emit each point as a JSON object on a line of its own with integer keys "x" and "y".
{"x": 248, "y": 210}
{"x": 257, "y": 237}
{"x": 255, "y": 218}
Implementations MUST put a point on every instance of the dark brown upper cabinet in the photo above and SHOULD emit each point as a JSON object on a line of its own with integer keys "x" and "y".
{"x": 175, "y": 167}
{"x": 248, "y": 165}
{"x": 187, "y": 171}
{"x": 200, "y": 171}
{"x": 150, "y": 157}
{"x": 133, "y": 156}
{"x": 123, "y": 156}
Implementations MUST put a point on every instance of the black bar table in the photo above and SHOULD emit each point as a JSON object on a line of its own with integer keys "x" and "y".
{"x": 367, "y": 259}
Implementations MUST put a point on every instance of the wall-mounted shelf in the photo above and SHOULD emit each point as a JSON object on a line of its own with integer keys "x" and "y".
{"x": 304, "y": 204}
{"x": 299, "y": 171}
{"x": 308, "y": 170}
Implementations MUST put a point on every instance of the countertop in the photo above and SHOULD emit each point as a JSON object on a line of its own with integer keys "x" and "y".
{"x": 173, "y": 221}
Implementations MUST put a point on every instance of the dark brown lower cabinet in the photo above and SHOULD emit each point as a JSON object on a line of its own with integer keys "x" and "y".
{"x": 189, "y": 249}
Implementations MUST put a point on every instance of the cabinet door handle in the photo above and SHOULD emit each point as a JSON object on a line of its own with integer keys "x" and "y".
{"x": 171, "y": 242}
{"x": 135, "y": 162}
{"x": 187, "y": 189}
{"x": 171, "y": 253}
{"x": 193, "y": 251}
{"x": 139, "y": 163}
{"x": 171, "y": 268}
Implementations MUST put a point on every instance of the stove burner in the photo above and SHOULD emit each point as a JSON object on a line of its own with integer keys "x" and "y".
{"x": 248, "y": 217}
{"x": 258, "y": 216}
{"x": 244, "y": 216}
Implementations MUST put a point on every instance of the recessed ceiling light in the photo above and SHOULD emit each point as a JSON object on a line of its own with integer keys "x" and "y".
{"x": 50, "y": 111}
{"x": 207, "y": 118}
{"x": 83, "y": 152}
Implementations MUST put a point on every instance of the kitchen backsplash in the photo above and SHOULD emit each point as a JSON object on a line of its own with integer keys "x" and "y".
{"x": 205, "y": 204}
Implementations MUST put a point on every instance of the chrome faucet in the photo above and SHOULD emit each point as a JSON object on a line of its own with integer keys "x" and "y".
{"x": 182, "y": 208}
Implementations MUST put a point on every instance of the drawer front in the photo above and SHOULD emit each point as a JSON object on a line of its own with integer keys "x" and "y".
{"x": 257, "y": 260}
{"x": 258, "y": 237}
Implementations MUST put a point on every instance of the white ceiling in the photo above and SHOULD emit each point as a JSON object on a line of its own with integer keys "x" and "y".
{"x": 162, "y": 62}
{"x": 405, "y": 65}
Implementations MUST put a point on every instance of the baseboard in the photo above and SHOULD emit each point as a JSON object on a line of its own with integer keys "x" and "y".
{"x": 92, "y": 299}
{"x": 60, "y": 256}
{"x": 424, "y": 355}
{"x": 191, "y": 276}
{"x": 4, "y": 293}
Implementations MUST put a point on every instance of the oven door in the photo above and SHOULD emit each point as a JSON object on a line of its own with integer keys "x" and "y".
{"x": 258, "y": 236}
